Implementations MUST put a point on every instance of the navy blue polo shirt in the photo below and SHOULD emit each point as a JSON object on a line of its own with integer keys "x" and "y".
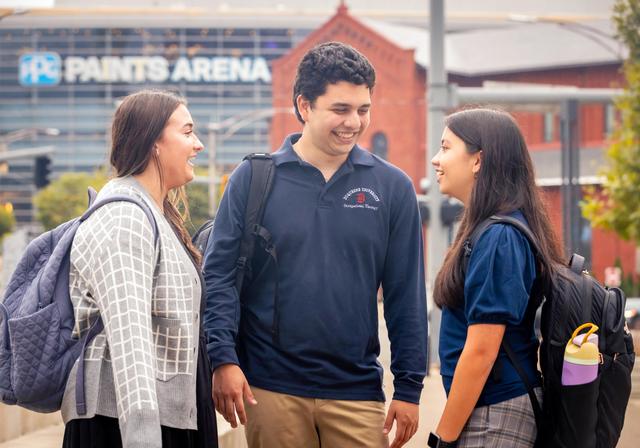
{"x": 336, "y": 243}
{"x": 499, "y": 278}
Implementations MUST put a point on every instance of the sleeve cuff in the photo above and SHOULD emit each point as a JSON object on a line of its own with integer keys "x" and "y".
{"x": 221, "y": 355}
{"x": 406, "y": 392}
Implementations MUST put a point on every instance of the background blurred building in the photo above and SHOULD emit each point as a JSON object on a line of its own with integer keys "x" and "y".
{"x": 65, "y": 68}
{"x": 543, "y": 53}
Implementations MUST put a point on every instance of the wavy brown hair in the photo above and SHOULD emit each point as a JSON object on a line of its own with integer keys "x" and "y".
{"x": 505, "y": 182}
{"x": 137, "y": 125}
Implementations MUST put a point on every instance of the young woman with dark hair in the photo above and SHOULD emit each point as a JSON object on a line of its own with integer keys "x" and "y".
{"x": 147, "y": 375}
{"x": 484, "y": 162}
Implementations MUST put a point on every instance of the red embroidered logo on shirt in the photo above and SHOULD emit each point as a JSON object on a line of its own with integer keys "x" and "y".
{"x": 357, "y": 198}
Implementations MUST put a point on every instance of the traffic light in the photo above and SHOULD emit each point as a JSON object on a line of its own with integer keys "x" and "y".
{"x": 450, "y": 211}
{"x": 41, "y": 171}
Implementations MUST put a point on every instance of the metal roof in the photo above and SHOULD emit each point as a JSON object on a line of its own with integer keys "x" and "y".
{"x": 460, "y": 14}
{"x": 515, "y": 48}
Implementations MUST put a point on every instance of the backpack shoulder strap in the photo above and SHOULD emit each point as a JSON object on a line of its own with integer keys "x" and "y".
{"x": 262, "y": 174}
{"x": 484, "y": 225}
{"x": 535, "y": 403}
{"x": 94, "y": 206}
{"x": 522, "y": 227}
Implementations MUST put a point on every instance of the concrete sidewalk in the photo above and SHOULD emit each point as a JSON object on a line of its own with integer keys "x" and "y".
{"x": 433, "y": 400}
{"x": 431, "y": 405}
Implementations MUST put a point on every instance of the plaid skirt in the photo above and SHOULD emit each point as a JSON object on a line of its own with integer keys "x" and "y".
{"x": 509, "y": 424}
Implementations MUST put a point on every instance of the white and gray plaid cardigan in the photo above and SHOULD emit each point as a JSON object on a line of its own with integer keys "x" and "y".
{"x": 142, "y": 368}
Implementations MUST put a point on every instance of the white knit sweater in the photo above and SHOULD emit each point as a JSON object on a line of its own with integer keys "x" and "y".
{"x": 142, "y": 368}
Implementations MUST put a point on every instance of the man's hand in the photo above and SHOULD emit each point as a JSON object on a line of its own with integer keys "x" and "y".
{"x": 229, "y": 388}
{"x": 406, "y": 417}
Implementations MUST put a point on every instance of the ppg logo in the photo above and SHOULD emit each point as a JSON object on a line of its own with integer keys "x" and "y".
{"x": 40, "y": 69}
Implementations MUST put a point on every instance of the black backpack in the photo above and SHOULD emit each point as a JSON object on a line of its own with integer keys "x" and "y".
{"x": 262, "y": 173}
{"x": 589, "y": 415}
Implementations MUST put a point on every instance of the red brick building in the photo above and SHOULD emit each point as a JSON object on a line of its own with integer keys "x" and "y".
{"x": 399, "y": 104}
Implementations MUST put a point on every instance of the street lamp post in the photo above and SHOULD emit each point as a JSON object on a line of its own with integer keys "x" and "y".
{"x": 220, "y": 131}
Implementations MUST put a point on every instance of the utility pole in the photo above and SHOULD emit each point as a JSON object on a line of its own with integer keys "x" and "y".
{"x": 437, "y": 100}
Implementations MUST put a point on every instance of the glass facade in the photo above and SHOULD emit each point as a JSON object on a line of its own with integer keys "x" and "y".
{"x": 72, "y": 79}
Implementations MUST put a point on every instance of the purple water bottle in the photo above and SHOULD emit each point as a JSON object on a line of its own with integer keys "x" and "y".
{"x": 581, "y": 357}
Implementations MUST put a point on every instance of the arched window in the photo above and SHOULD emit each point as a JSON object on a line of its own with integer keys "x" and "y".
{"x": 379, "y": 145}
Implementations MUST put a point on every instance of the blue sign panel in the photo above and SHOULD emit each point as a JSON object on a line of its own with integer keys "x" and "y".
{"x": 40, "y": 69}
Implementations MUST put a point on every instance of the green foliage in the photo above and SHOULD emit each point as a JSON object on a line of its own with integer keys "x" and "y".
{"x": 66, "y": 197}
{"x": 198, "y": 195}
{"x": 629, "y": 283}
{"x": 617, "y": 206}
{"x": 7, "y": 220}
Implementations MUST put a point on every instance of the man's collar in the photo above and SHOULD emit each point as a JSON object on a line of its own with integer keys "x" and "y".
{"x": 359, "y": 156}
{"x": 286, "y": 154}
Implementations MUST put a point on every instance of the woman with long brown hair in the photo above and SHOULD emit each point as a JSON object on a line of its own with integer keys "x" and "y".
{"x": 484, "y": 162}
{"x": 147, "y": 375}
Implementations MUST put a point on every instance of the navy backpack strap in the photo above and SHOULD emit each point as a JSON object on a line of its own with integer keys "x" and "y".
{"x": 262, "y": 173}
{"x": 122, "y": 198}
{"x": 97, "y": 326}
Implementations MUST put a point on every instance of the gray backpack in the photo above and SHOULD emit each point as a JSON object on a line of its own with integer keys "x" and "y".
{"x": 37, "y": 351}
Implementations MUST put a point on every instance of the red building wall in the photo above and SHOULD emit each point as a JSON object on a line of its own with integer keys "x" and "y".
{"x": 398, "y": 105}
{"x": 399, "y": 110}
{"x": 606, "y": 247}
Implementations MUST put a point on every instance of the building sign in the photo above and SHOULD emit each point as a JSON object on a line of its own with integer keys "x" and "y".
{"x": 45, "y": 69}
{"x": 40, "y": 69}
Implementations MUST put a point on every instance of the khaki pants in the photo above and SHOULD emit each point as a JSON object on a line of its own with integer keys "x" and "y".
{"x": 287, "y": 421}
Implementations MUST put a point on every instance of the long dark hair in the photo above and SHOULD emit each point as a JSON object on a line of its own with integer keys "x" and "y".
{"x": 505, "y": 182}
{"x": 137, "y": 125}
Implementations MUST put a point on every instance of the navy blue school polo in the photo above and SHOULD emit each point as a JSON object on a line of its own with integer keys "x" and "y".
{"x": 336, "y": 243}
{"x": 499, "y": 278}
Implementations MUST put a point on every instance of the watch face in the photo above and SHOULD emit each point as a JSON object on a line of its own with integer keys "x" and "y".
{"x": 433, "y": 440}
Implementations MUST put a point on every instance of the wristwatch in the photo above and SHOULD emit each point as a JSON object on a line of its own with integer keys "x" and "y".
{"x": 436, "y": 442}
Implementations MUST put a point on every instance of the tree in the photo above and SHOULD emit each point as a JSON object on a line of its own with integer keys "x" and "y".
{"x": 616, "y": 206}
{"x": 198, "y": 195}
{"x": 7, "y": 220}
{"x": 66, "y": 197}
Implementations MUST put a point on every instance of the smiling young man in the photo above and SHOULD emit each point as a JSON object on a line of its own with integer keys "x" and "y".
{"x": 296, "y": 356}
